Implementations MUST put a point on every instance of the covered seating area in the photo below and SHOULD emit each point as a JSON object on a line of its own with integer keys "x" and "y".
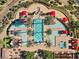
{"x": 73, "y": 44}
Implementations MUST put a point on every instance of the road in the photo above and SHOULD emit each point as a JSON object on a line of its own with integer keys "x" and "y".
{"x": 6, "y": 8}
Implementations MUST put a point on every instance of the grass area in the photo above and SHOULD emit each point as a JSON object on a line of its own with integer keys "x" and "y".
{"x": 1, "y": 43}
{"x": 49, "y": 54}
{"x": 30, "y": 55}
{"x": 7, "y": 41}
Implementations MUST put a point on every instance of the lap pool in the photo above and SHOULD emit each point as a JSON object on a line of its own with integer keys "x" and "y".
{"x": 38, "y": 30}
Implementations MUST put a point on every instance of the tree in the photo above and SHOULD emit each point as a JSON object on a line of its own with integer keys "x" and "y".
{"x": 14, "y": 9}
{"x": 48, "y": 44}
{"x": 48, "y": 20}
{"x": 25, "y": 4}
{"x": 71, "y": 2}
{"x": 49, "y": 32}
{"x": 2, "y": 2}
{"x": 10, "y": 15}
{"x": 29, "y": 32}
{"x": 23, "y": 54}
{"x": 77, "y": 23}
{"x": 29, "y": 22}
{"x": 69, "y": 7}
{"x": 58, "y": 1}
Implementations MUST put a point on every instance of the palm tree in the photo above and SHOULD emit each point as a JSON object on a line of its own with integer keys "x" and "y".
{"x": 29, "y": 43}
{"x": 29, "y": 32}
{"x": 10, "y": 15}
{"x": 25, "y": 4}
{"x": 48, "y": 43}
{"x": 29, "y": 22}
{"x": 7, "y": 41}
{"x": 48, "y": 20}
{"x": 49, "y": 32}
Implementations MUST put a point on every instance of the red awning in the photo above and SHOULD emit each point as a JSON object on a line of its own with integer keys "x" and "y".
{"x": 53, "y": 13}
{"x": 65, "y": 32}
{"x": 65, "y": 20}
{"x": 24, "y": 13}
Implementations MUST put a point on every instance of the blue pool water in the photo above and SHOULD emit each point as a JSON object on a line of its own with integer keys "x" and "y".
{"x": 22, "y": 33}
{"x": 55, "y": 33}
{"x": 62, "y": 44}
{"x": 38, "y": 30}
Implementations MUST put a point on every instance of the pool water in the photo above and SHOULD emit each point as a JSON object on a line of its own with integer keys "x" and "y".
{"x": 55, "y": 33}
{"x": 21, "y": 33}
{"x": 38, "y": 30}
{"x": 62, "y": 44}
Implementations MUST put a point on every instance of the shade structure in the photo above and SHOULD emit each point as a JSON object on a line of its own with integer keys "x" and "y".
{"x": 24, "y": 13}
{"x": 65, "y": 32}
{"x": 75, "y": 41}
{"x": 65, "y": 20}
{"x": 53, "y": 13}
{"x": 75, "y": 47}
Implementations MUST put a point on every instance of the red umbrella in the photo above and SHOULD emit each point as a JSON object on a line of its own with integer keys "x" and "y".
{"x": 24, "y": 13}
{"x": 75, "y": 41}
{"x": 65, "y": 20}
{"x": 65, "y": 31}
{"x": 53, "y": 13}
{"x": 75, "y": 47}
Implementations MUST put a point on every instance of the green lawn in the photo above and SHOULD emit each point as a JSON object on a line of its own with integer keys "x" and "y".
{"x": 47, "y": 54}
{"x": 7, "y": 41}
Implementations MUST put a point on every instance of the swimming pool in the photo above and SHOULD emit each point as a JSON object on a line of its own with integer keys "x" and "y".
{"x": 22, "y": 33}
{"x": 38, "y": 30}
{"x": 55, "y": 33}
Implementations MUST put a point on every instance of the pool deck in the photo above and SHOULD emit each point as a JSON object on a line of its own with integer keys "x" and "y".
{"x": 62, "y": 38}
{"x": 35, "y": 47}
